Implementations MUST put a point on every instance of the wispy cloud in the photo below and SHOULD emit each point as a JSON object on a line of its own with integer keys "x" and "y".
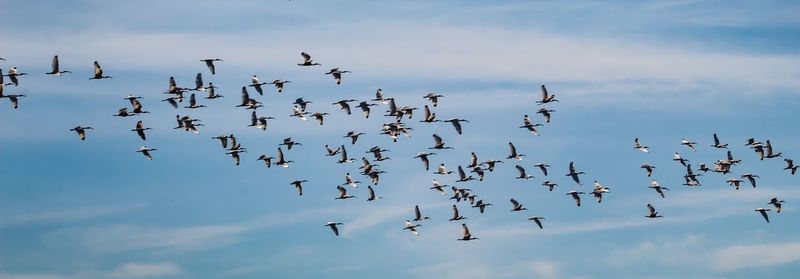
{"x": 144, "y": 270}
{"x": 70, "y": 214}
{"x": 756, "y": 255}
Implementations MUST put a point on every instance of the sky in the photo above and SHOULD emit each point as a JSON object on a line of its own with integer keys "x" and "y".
{"x": 657, "y": 70}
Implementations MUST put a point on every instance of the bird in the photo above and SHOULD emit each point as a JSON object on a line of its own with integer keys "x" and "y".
{"x": 433, "y": 97}
{"x": 343, "y": 193}
{"x": 689, "y": 144}
{"x": 490, "y": 164}
{"x": 770, "y": 154}
{"x": 543, "y": 167}
{"x": 438, "y": 143}
{"x": 639, "y": 146}
{"x": 655, "y": 186}
{"x": 307, "y": 60}
{"x": 12, "y": 75}
{"x": 14, "y": 98}
{"x": 481, "y": 205}
{"x": 442, "y": 170}
{"x": 173, "y": 101}
{"x": 649, "y": 168}
{"x": 513, "y": 153}
{"x": 652, "y": 213}
{"x": 281, "y": 161}
{"x": 438, "y": 187}
{"x": 717, "y": 144}
{"x": 418, "y": 215}
{"x": 546, "y": 98}
{"x": 465, "y": 235}
{"x": 279, "y": 84}
{"x": 574, "y": 174}
{"x": 528, "y": 124}
{"x": 255, "y": 83}
{"x": 333, "y": 227}
{"x": 343, "y": 104}
{"x": 677, "y": 157}
{"x": 140, "y": 130}
{"x": 379, "y": 97}
{"x": 289, "y": 142}
{"x": 777, "y": 203}
{"x": 522, "y": 174}
{"x": 268, "y": 161}
{"x": 193, "y": 103}
{"x": 598, "y": 191}
{"x": 763, "y": 212}
{"x": 537, "y": 220}
{"x": 348, "y": 180}
{"x": 223, "y": 140}
{"x": 516, "y": 206}
{"x": 371, "y": 194}
{"x": 427, "y": 116}
{"x": 146, "y": 152}
{"x": 298, "y": 185}
{"x": 456, "y": 216}
{"x": 364, "y": 106}
{"x": 576, "y": 197}
{"x": 296, "y": 112}
{"x": 376, "y": 152}
{"x": 750, "y": 177}
{"x": 337, "y": 74}
{"x": 353, "y": 135}
{"x": 549, "y": 184}
{"x": 790, "y": 166}
{"x": 546, "y": 113}
{"x": 734, "y": 182}
{"x": 456, "y": 123}
{"x": 54, "y": 68}
{"x": 411, "y": 227}
{"x": 98, "y": 72}
{"x": 210, "y": 64}
{"x": 81, "y": 130}
{"x": 462, "y": 176}
{"x": 332, "y": 152}
{"x": 344, "y": 158}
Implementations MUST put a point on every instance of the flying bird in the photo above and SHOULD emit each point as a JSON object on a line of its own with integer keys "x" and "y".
{"x": 343, "y": 193}
{"x": 717, "y": 144}
{"x": 418, "y": 215}
{"x": 438, "y": 143}
{"x": 574, "y": 174}
{"x": 465, "y": 235}
{"x": 333, "y": 227}
{"x": 146, "y": 152}
{"x": 298, "y": 185}
{"x": 763, "y": 212}
{"x": 411, "y": 227}
{"x": 98, "y": 72}
{"x": 537, "y": 220}
{"x": 576, "y": 197}
{"x": 433, "y": 97}
{"x": 210, "y": 64}
{"x": 81, "y": 130}
{"x": 516, "y": 206}
{"x": 638, "y": 145}
{"x": 513, "y": 153}
{"x": 55, "y": 69}
{"x": 652, "y": 213}
{"x": 307, "y": 60}
{"x": 777, "y": 203}
{"x": 546, "y": 98}
{"x": 140, "y": 130}
{"x": 337, "y": 74}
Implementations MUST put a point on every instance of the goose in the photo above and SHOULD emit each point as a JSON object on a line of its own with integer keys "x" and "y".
{"x": 763, "y": 212}
{"x": 659, "y": 189}
{"x": 513, "y": 151}
{"x": 279, "y": 84}
{"x": 438, "y": 143}
{"x": 281, "y": 161}
{"x": 344, "y": 158}
{"x": 333, "y": 227}
{"x": 364, "y": 106}
{"x": 198, "y": 83}
{"x": 456, "y": 123}
{"x": 146, "y": 151}
{"x": 137, "y": 106}
{"x": 703, "y": 168}
{"x": 771, "y": 155}
{"x": 343, "y": 193}
{"x": 652, "y": 213}
{"x": 459, "y": 193}
{"x": 298, "y": 185}
{"x": 210, "y": 64}
{"x": 462, "y": 177}
{"x": 576, "y": 197}
{"x": 319, "y": 116}
{"x": 255, "y": 83}
{"x": 173, "y": 87}
{"x": 376, "y": 152}
{"x": 490, "y": 164}
{"x": 140, "y": 130}
{"x": 442, "y": 170}
{"x": 465, "y": 235}
{"x": 677, "y": 157}
{"x": 599, "y": 190}
{"x": 522, "y": 174}
{"x": 288, "y": 142}
{"x": 348, "y": 180}
{"x": 98, "y": 72}
{"x": 537, "y": 220}
{"x": 193, "y": 103}
{"x": 549, "y": 184}
{"x": 307, "y": 60}
{"x": 374, "y": 175}
{"x": 392, "y": 108}
{"x": 54, "y": 69}
{"x": 296, "y": 112}
{"x": 353, "y": 135}
{"x": 332, "y": 152}
{"x": 546, "y": 113}
{"x": 343, "y": 104}
{"x": 14, "y": 99}
{"x": 546, "y": 98}
{"x": 123, "y": 112}
{"x": 528, "y": 124}
{"x": 456, "y": 216}
{"x": 259, "y": 122}
{"x": 371, "y": 194}
{"x": 81, "y": 130}
{"x": 717, "y": 144}
{"x": 438, "y": 187}
{"x": 423, "y": 156}
{"x": 639, "y": 146}
{"x": 516, "y": 206}
{"x": 12, "y": 75}
{"x": 689, "y": 144}
{"x": 722, "y": 166}
{"x": 543, "y": 167}
{"x": 752, "y": 142}
{"x": 379, "y": 97}
{"x": 691, "y": 182}
{"x": 268, "y": 162}
{"x": 777, "y": 203}
{"x": 235, "y": 154}
{"x": 301, "y": 103}
{"x": 433, "y": 97}
{"x": 790, "y": 166}
{"x": 173, "y": 101}
{"x": 750, "y": 177}
{"x": 572, "y": 173}
{"x": 473, "y": 160}
{"x": 223, "y": 140}
{"x": 690, "y": 174}
{"x": 760, "y": 150}
{"x": 428, "y": 117}
{"x": 337, "y": 74}
{"x": 411, "y": 227}
{"x": 188, "y": 124}
{"x": 481, "y": 206}
{"x": 418, "y": 215}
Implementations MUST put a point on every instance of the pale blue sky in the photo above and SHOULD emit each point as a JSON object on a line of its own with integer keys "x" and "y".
{"x": 660, "y": 71}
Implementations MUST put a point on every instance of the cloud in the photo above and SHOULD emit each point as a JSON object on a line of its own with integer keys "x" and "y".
{"x": 70, "y": 215}
{"x": 755, "y": 255}
{"x": 144, "y": 270}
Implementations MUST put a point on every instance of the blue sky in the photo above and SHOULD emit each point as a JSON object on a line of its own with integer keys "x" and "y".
{"x": 660, "y": 71}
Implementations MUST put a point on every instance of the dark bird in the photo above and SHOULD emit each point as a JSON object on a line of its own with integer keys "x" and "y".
{"x": 288, "y": 142}
{"x": 574, "y": 174}
{"x": 546, "y": 98}
{"x": 193, "y": 103}
{"x": 333, "y": 227}
{"x": 268, "y": 162}
{"x": 55, "y": 69}
{"x": 319, "y": 116}
{"x": 371, "y": 194}
{"x": 576, "y": 197}
{"x": 81, "y": 131}
{"x": 790, "y": 166}
{"x": 456, "y": 123}
{"x": 424, "y": 157}
{"x": 481, "y": 205}
{"x": 456, "y": 216}
{"x": 418, "y": 215}
{"x": 343, "y": 193}
{"x": 353, "y": 135}
{"x": 537, "y": 220}
{"x": 343, "y": 104}
{"x": 146, "y": 152}
{"x": 516, "y": 206}
{"x": 717, "y": 144}
{"x": 750, "y": 177}
{"x": 546, "y": 113}
{"x": 307, "y": 60}
{"x": 438, "y": 143}
{"x": 279, "y": 84}
{"x": 543, "y": 167}
{"x": 140, "y": 130}
{"x": 298, "y": 185}
{"x": 337, "y": 74}
{"x": 763, "y": 212}
{"x": 777, "y": 203}
{"x": 255, "y": 83}
{"x": 513, "y": 153}
{"x": 465, "y": 235}
{"x": 281, "y": 161}
{"x": 655, "y": 186}
{"x": 433, "y": 97}
{"x": 549, "y": 184}
{"x": 14, "y": 99}
{"x": 98, "y": 72}
{"x": 210, "y": 64}
{"x": 652, "y": 212}
{"x": 522, "y": 173}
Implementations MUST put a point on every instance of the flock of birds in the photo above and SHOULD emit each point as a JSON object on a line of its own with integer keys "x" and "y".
{"x": 394, "y": 128}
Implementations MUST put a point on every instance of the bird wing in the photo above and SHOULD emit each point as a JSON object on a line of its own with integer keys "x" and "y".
{"x": 461, "y": 173}
{"x": 515, "y": 203}
{"x": 716, "y": 139}
{"x": 512, "y": 149}
{"x": 55, "y": 64}
{"x": 98, "y": 71}
{"x": 651, "y": 209}
{"x": 521, "y": 171}
{"x": 571, "y": 167}
{"x": 437, "y": 139}
{"x": 198, "y": 81}
{"x": 465, "y": 231}
{"x": 544, "y": 93}
{"x": 306, "y": 57}
{"x": 342, "y": 191}
{"x": 280, "y": 155}
{"x": 417, "y": 214}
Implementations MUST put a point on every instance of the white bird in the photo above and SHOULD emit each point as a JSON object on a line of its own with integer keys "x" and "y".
{"x": 411, "y": 227}
{"x": 638, "y": 145}
{"x": 689, "y": 144}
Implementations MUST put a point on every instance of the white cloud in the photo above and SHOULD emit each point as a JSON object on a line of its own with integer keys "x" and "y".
{"x": 755, "y": 255}
{"x": 143, "y": 270}
{"x": 69, "y": 215}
